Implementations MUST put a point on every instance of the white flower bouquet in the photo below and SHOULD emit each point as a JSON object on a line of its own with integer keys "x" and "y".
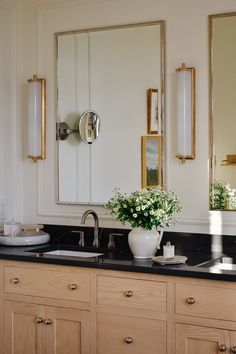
{"x": 148, "y": 208}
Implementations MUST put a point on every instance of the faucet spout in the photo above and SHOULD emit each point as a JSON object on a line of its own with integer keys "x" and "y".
{"x": 96, "y": 225}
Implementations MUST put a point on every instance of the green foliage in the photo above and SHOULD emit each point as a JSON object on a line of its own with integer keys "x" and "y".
{"x": 152, "y": 176}
{"x": 147, "y": 208}
{"x": 222, "y": 196}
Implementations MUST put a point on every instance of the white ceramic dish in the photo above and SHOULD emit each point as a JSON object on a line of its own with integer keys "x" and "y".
{"x": 26, "y": 240}
{"x": 174, "y": 260}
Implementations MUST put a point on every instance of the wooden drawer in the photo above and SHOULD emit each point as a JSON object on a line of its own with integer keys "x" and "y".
{"x": 47, "y": 283}
{"x": 130, "y": 335}
{"x": 141, "y": 294}
{"x": 205, "y": 301}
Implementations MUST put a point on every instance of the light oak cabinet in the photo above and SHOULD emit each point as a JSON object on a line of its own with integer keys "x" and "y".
{"x": 50, "y": 309}
{"x": 127, "y": 323}
{"x": 23, "y": 335}
{"x": 130, "y": 335}
{"x": 132, "y": 293}
{"x": 60, "y": 284}
{"x": 197, "y": 340}
{"x": 37, "y": 329}
{"x": 205, "y": 316}
{"x": 201, "y": 340}
{"x": 209, "y": 300}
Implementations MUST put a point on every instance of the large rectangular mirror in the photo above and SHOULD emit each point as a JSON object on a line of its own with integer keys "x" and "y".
{"x": 110, "y": 71}
{"x": 222, "y": 29}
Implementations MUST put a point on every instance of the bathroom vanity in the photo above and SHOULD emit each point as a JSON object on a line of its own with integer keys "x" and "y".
{"x": 102, "y": 305}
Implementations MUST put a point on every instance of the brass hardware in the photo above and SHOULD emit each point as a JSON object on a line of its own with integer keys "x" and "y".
{"x": 222, "y": 348}
{"x": 15, "y": 280}
{"x": 43, "y": 118}
{"x": 73, "y": 286}
{"x": 129, "y": 340}
{"x": 229, "y": 161}
{"x": 190, "y": 301}
{"x": 47, "y": 321}
{"x": 233, "y": 349}
{"x": 128, "y": 293}
{"x": 193, "y": 105}
{"x": 39, "y": 320}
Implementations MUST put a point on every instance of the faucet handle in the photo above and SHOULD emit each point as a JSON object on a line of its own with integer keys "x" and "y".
{"x": 111, "y": 244}
{"x": 81, "y": 239}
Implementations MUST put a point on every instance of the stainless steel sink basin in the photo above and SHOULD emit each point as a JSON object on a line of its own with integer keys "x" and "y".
{"x": 73, "y": 253}
{"x": 222, "y": 263}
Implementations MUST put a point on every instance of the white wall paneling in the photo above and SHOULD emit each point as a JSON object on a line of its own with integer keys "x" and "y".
{"x": 186, "y": 41}
{"x": 10, "y": 133}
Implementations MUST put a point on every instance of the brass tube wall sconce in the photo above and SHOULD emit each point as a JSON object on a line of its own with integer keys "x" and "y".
{"x": 185, "y": 113}
{"x": 36, "y": 118}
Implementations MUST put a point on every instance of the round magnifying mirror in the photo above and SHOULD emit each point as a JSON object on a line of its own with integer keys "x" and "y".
{"x": 89, "y": 126}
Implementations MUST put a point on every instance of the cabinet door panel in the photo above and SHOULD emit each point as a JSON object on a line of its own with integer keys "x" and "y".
{"x": 69, "y": 331}
{"x": 23, "y": 335}
{"x": 130, "y": 335}
{"x": 198, "y": 340}
{"x": 233, "y": 341}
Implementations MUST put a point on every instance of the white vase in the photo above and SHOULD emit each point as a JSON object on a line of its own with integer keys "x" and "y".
{"x": 144, "y": 243}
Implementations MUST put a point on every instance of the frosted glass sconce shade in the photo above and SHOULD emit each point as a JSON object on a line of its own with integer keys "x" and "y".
{"x": 185, "y": 113}
{"x": 37, "y": 118}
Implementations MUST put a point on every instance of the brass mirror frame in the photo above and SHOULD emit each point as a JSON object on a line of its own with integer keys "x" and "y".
{"x": 211, "y": 155}
{"x": 161, "y": 92}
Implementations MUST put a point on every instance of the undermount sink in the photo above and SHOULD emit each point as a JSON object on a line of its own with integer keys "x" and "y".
{"x": 72, "y": 253}
{"x": 64, "y": 252}
{"x": 222, "y": 263}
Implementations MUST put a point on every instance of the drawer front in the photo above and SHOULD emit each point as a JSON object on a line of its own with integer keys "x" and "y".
{"x": 205, "y": 301}
{"x": 141, "y": 294}
{"x": 47, "y": 283}
{"x": 130, "y": 335}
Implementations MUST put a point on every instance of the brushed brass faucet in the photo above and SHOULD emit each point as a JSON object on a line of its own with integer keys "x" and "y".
{"x": 96, "y": 225}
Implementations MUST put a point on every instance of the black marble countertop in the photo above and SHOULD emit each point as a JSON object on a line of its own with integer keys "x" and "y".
{"x": 197, "y": 247}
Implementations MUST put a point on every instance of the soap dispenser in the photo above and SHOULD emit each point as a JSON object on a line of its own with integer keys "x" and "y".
{"x": 168, "y": 250}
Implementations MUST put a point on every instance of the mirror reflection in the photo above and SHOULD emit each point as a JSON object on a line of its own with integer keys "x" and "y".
{"x": 108, "y": 71}
{"x": 89, "y": 126}
{"x": 222, "y": 111}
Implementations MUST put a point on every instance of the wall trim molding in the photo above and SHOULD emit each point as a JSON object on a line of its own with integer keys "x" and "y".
{"x": 70, "y": 215}
{"x": 70, "y": 3}
{"x": 180, "y": 222}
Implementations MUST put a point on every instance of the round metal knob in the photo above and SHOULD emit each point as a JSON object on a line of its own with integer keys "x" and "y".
{"x": 39, "y": 320}
{"x": 129, "y": 340}
{"x": 73, "y": 286}
{"x": 190, "y": 300}
{"x": 233, "y": 349}
{"x": 15, "y": 280}
{"x": 47, "y": 321}
{"x": 128, "y": 293}
{"x": 222, "y": 348}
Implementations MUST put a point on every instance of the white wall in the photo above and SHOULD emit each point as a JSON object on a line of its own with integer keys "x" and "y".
{"x": 186, "y": 41}
{"x": 10, "y": 127}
